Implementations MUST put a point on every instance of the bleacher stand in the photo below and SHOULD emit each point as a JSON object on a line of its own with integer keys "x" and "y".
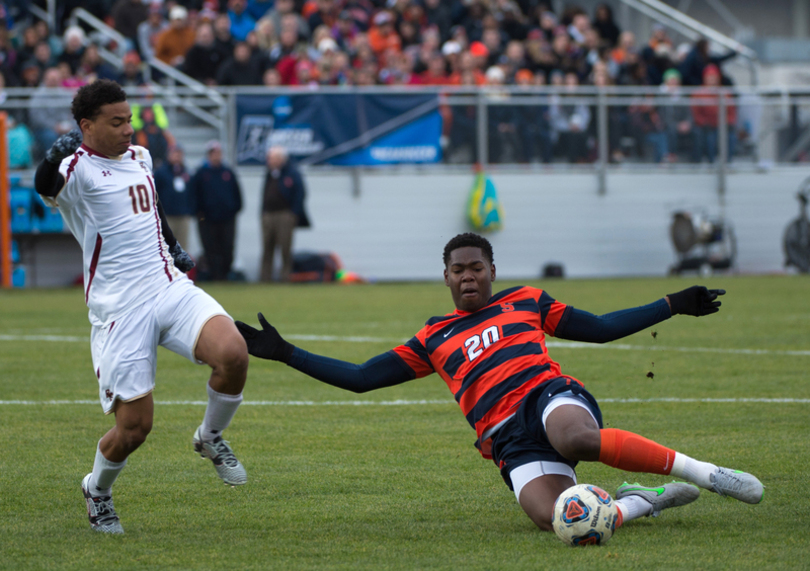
{"x": 372, "y": 42}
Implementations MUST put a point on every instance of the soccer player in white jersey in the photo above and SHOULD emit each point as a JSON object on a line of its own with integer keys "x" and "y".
{"x": 137, "y": 292}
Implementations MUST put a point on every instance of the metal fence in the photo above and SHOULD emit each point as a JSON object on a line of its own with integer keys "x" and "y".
{"x": 582, "y": 128}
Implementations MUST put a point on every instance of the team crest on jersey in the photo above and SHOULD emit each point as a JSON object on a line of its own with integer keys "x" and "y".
{"x": 143, "y": 166}
{"x": 106, "y": 173}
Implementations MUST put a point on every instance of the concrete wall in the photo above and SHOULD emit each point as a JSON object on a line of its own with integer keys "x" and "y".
{"x": 396, "y": 226}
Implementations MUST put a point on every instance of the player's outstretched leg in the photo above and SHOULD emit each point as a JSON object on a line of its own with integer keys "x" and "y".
{"x": 224, "y": 350}
{"x": 634, "y": 453}
{"x": 100, "y": 510}
{"x": 672, "y": 495}
{"x": 220, "y": 453}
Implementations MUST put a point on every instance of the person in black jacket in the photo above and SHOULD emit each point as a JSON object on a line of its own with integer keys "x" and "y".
{"x": 239, "y": 69}
{"x": 218, "y": 199}
{"x": 282, "y": 211}
{"x": 171, "y": 183}
{"x": 696, "y": 61}
{"x": 204, "y": 58}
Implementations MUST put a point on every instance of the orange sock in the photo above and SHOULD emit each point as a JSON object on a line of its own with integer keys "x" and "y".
{"x": 633, "y": 453}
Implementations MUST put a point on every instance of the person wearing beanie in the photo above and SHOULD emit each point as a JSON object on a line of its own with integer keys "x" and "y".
{"x": 705, "y": 116}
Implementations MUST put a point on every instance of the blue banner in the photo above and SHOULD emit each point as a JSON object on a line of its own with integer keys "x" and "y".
{"x": 346, "y": 130}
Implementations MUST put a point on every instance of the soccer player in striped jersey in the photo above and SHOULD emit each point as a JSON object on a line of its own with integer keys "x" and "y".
{"x": 137, "y": 292}
{"x": 535, "y": 422}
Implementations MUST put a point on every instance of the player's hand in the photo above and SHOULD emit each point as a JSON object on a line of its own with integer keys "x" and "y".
{"x": 696, "y": 300}
{"x": 64, "y": 146}
{"x": 267, "y": 343}
{"x": 182, "y": 261}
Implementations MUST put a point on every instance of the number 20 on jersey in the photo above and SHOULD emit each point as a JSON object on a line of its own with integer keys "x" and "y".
{"x": 474, "y": 344}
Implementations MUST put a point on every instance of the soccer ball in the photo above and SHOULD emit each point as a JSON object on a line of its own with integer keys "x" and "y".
{"x": 584, "y": 515}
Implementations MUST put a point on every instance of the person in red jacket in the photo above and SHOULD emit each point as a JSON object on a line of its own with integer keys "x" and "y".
{"x": 706, "y": 117}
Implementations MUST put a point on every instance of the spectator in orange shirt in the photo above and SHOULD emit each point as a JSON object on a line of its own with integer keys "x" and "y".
{"x": 468, "y": 72}
{"x": 172, "y": 44}
{"x": 382, "y": 36}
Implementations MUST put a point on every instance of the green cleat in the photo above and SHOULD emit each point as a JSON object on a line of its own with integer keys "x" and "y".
{"x": 670, "y": 495}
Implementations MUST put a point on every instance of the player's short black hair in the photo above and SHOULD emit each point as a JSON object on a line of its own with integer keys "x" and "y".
{"x": 89, "y": 99}
{"x": 468, "y": 239}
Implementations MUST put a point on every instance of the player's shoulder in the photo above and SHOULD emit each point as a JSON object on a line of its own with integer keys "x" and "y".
{"x": 79, "y": 160}
{"x": 440, "y": 319}
{"x": 138, "y": 153}
{"x": 515, "y": 293}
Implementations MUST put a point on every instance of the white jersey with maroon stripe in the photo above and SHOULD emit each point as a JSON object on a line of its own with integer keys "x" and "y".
{"x": 109, "y": 204}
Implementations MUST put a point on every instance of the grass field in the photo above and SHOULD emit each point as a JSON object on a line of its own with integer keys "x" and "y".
{"x": 389, "y": 479}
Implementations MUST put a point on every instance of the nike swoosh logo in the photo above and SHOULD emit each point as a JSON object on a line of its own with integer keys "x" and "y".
{"x": 449, "y": 332}
{"x": 658, "y": 491}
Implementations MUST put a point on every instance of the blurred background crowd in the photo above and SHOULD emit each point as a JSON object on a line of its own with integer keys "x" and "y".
{"x": 389, "y": 42}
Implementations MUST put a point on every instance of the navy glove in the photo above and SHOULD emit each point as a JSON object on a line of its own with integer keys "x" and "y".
{"x": 64, "y": 146}
{"x": 267, "y": 343}
{"x": 696, "y": 301}
{"x": 182, "y": 261}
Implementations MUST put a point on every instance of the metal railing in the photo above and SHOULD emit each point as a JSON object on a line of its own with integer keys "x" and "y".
{"x": 772, "y": 124}
{"x": 189, "y": 100}
{"x": 693, "y": 29}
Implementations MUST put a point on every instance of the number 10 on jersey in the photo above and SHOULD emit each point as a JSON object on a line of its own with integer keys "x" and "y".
{"x": 140, "y": 198}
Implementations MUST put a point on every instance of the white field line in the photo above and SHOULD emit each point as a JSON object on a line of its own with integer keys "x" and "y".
{"x": 394, "y": 340}
{"x": 413, "y": 402}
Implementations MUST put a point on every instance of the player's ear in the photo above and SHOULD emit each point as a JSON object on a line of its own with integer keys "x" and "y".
{"x": 492, "y": 271}
{"x": 446, "y": 278}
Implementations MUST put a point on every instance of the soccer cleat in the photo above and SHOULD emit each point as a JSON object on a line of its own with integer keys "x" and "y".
{"x": 100, "y": 510}
{"x": 670, "y": 495}
{"x": 738, "y": 485}
{"x": 227, "y": 466}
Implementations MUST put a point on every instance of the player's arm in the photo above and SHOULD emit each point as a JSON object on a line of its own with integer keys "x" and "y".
{"x": 48, "y": 181}
{"x": 381, "y": 371}
{"x": 182, "y": 261}
{"x": 578, "y": 325}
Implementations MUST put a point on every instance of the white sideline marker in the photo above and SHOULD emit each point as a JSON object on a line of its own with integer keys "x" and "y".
{"x": 392, "y": 340}
{"x": 409, "y": 402}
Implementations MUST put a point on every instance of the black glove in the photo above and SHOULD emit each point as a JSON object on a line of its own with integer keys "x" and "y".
{"x": 267, "y": 343}
{"x": 696, "y": 300}
{"x": 182, "y": 261}
{"x": 64, "y": 146}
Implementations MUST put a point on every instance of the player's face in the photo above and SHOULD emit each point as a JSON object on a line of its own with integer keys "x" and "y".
{"x": 111, "y": 132}
{"x": 469, "y": 276}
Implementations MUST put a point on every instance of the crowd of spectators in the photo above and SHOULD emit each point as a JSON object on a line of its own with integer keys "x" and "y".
{"x": 397, "y": 42}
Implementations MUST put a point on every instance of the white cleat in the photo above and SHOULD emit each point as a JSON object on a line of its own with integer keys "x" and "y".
{"x": 670, "y": 495}
{"x": 219, "y": 452}
{"x": 100, "y": 510}
{"x": 738, "y": 485}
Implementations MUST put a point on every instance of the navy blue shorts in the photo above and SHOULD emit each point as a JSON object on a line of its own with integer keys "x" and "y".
{"x": 522, "y": 439}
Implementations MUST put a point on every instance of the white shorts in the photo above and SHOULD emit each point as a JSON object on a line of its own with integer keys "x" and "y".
{"x": 525, "y": 473}
{"x": 125, "y": 351}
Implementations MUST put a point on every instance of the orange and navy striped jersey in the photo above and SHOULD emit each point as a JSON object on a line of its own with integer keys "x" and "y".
{"x": 492, "y": 358}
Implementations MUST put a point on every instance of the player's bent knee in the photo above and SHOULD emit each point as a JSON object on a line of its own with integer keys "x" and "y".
{"x": 234, "y": 357}
{"x": 580, "y": 444}
{"x": 583, "y": 446}
{"x": 230, "y": 356}
{"x": 132, "y": 438}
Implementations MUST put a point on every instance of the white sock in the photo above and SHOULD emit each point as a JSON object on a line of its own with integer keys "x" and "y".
{"x": 218, "y": 414}
{"x": 692, "y": 470}
{"x": 633, "y": 507}
{"x": 104, "y": 474}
